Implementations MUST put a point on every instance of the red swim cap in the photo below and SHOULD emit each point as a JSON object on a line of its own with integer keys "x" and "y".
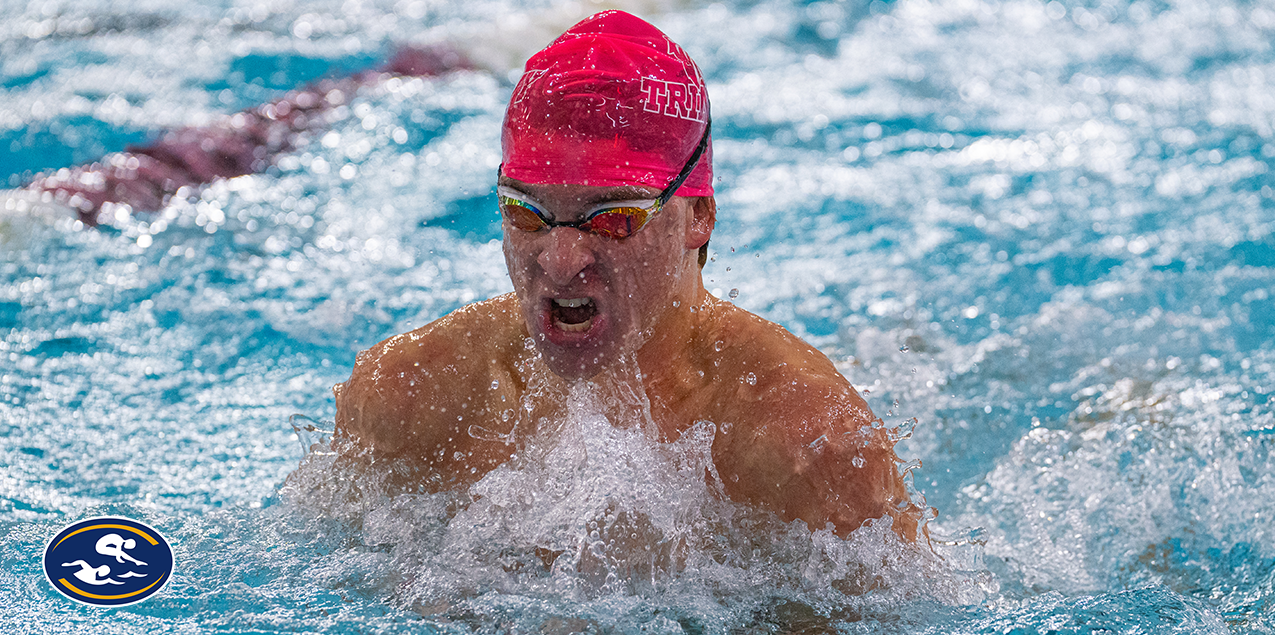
{"x": 613, "y": 101}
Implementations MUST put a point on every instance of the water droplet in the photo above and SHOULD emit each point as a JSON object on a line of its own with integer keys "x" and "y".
{"x": 726, "y": 427}
{"x": 677, "y": 303}
{"x": 857, "y": 461}
{"x": 906, "y": 428}
{"x": 728, "y": 268}
{"x": 495, "y": 384}
{"x": 719, "y": 345}
{"x": 904, "y": 348}
{"x": 529, "y": 343}
{"x": 751, "y": 379}
{"x": 734, "y": 293}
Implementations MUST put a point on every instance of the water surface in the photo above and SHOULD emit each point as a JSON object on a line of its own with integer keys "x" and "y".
{"x": 1043, "y": 230}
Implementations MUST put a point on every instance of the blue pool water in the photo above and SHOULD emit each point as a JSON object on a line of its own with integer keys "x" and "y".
{"x": 1043, "y": 230}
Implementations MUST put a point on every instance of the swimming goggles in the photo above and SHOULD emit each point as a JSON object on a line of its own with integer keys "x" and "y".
{"x": 614, "y": 219}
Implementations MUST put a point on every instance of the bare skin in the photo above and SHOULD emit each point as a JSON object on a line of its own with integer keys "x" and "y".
{"x": 454, "y": 398}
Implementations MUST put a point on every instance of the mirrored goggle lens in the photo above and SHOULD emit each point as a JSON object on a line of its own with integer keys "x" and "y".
{"x": 617, "y": 222}
{"x": 521, "y": 215}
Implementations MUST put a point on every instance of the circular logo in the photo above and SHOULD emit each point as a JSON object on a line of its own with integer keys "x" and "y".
{"x": 108, "y": 561}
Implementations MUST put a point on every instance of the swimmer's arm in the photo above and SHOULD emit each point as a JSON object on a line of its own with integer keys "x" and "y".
{"x": 419, "y": 394}
{"x": 811, "y": 452}
{"x": 384, "y": 407}
{"x": 854, "y": 477}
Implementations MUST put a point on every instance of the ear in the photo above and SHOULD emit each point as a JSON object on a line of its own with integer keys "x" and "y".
{"x": 703, "y": 219}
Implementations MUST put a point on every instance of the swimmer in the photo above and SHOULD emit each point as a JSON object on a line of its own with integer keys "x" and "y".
{"x": 114, "y": 545}
{"x": 145, "y": 178}
{"x": 606, "y": 196}
{"x": 92, "y": 575}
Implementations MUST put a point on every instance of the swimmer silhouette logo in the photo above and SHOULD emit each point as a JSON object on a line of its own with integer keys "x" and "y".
{"x": 108, "y": 561}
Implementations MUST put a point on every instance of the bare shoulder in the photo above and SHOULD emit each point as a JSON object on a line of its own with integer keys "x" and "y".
{"x": 414, "y": 391}
{"x": 801, "y": 439}
{"x": 782, "y": 376}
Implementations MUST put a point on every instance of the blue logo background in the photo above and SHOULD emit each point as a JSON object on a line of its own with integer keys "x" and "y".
{"x": 108, "y": 561}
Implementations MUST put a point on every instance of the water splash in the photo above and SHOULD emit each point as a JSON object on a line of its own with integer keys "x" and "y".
{"x": 591, "y": 516}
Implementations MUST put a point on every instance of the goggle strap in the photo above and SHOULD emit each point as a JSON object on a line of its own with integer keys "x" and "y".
{"x": 689, "y": 167}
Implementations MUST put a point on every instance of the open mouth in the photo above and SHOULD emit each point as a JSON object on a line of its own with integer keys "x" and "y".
{"x": 573, "y": 315}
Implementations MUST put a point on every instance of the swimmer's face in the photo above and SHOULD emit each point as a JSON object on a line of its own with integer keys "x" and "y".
{"x": 587, "y": 299}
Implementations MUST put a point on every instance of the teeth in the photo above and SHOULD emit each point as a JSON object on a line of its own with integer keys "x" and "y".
{"x": 572, "y": 303}
{"x": 574, "y": 328}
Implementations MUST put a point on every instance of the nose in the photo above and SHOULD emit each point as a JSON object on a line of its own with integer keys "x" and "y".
{"x": 566, "y": 255}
